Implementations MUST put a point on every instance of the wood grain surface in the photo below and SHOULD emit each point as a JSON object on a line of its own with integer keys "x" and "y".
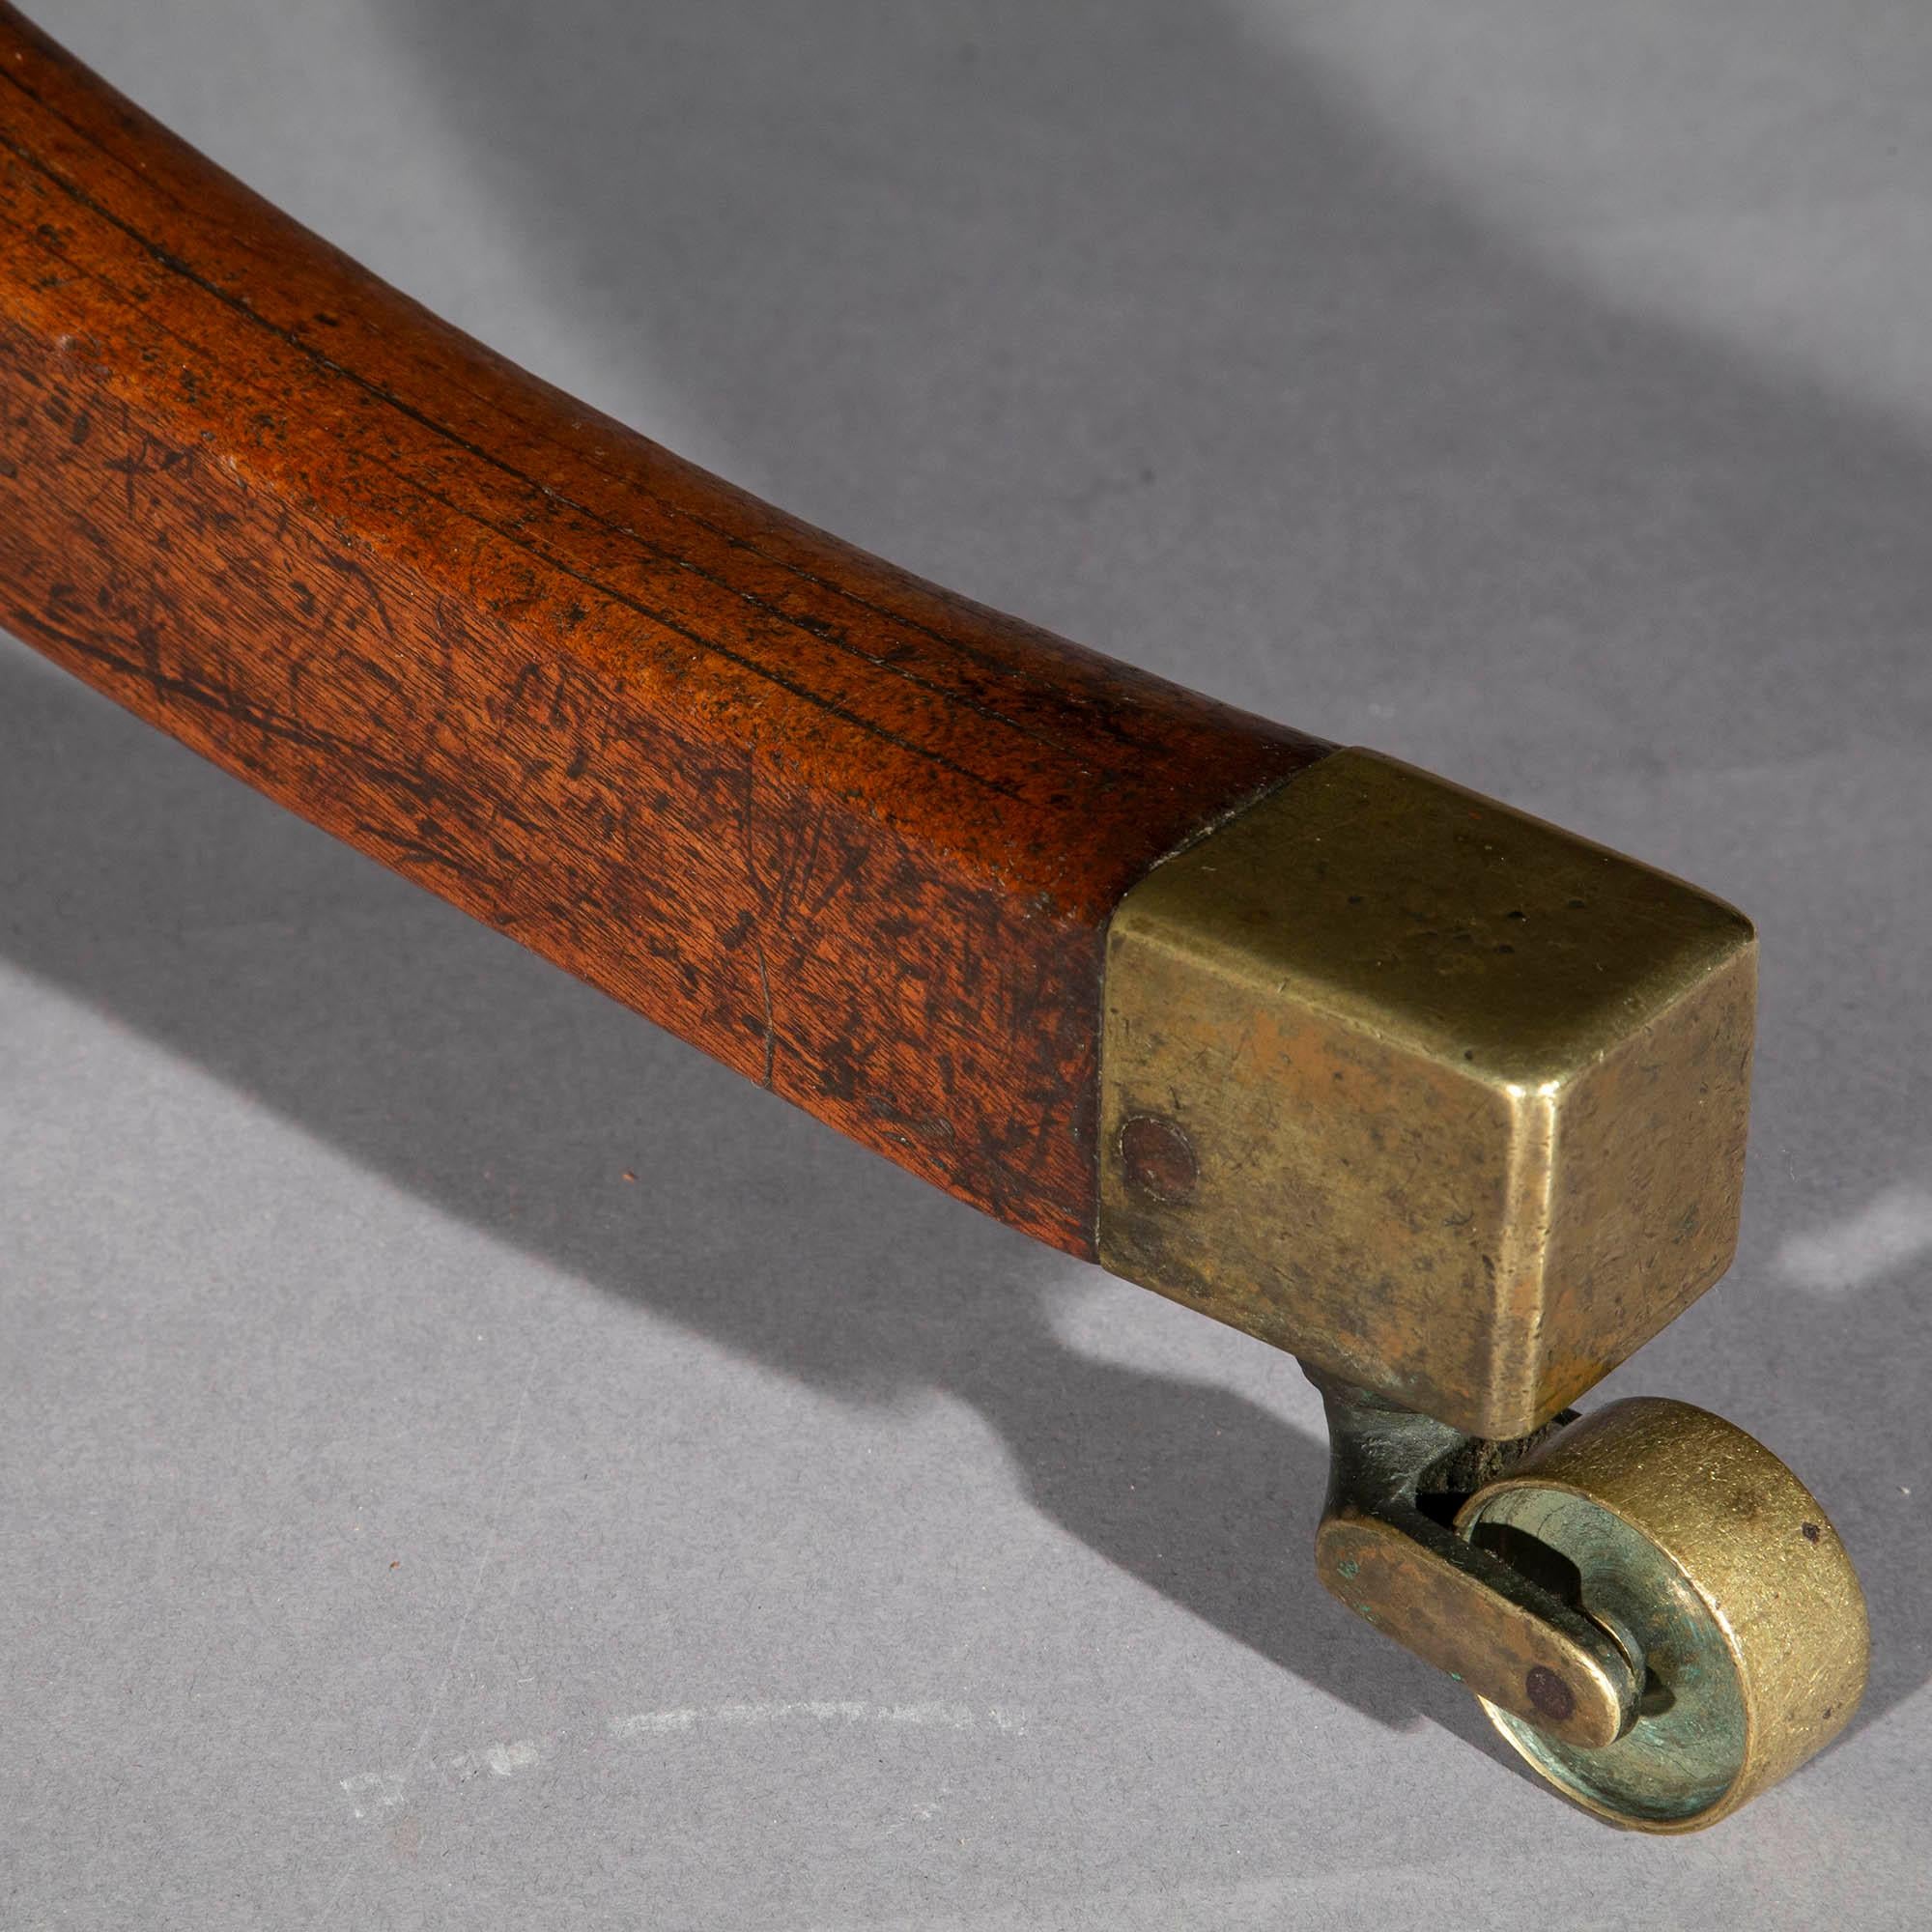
{"x": 853, "y": 836}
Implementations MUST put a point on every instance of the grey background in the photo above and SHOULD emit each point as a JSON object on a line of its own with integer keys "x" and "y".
{"x": 410, "y": 1521}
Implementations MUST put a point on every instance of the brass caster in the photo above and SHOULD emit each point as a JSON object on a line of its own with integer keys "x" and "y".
{"x": 1719, "y": 1577}
{"x": 1652, "y": 1609}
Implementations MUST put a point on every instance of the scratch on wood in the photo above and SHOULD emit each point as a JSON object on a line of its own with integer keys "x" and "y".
{"x": 765, "y": 994}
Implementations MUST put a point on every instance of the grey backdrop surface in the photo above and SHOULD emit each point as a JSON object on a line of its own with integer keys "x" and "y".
{"x": 410, "y": 1520}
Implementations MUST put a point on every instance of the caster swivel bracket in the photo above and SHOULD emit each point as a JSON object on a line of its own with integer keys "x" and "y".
{"x": 1655, "y": 1613}
{"x": 1387, "y": 1547}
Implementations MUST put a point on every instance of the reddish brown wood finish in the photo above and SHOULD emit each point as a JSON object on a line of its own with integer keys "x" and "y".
{"x": 853, "y": 836}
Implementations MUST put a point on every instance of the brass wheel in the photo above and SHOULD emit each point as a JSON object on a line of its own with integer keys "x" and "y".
{"x": 1720, "y": 1577}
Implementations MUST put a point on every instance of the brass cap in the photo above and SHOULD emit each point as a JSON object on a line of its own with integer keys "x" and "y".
{"x": 1447, "y": 1101}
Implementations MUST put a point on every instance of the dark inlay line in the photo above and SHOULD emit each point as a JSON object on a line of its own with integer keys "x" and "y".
{"x": 947, "y": 640}
{"x": 821, "y": 631}
{"x": 831, "y": 706}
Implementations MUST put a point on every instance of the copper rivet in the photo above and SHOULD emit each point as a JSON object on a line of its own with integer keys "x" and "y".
{"x": 1549, "y": 1692}
{"x": 1157, "y": 1157}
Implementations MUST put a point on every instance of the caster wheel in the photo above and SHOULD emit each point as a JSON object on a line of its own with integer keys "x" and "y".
{"x": 1716, "y": 1574}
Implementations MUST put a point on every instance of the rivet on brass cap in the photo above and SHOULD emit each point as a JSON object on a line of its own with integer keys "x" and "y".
{"x": 1157, "y": 1158}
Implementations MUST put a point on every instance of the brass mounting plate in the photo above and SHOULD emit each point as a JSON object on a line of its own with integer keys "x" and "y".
{"x": 1447, "y": 1101}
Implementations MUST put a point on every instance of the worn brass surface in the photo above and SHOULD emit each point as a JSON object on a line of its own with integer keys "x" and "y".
{"x": 1677, "y": 1528}
{"x": 1445, "y": 1100}
{"x": 1462, "y": 1623}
